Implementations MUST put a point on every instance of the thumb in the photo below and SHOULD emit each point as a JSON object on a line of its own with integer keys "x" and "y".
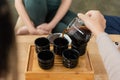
{"x": 82, "y": 16}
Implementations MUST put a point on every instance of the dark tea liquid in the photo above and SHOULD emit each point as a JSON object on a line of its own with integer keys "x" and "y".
{"x": 64, "y": 32}
{"x": 79, "y": 36}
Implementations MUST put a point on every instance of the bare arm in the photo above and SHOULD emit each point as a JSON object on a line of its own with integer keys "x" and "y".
{"x": 62, "y": 10}
{"x": 23, "y": 14}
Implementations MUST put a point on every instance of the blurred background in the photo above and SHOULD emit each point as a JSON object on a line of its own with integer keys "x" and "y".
{"x": 107, "y": 7}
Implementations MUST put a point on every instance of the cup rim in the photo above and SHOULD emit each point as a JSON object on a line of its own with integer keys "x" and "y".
{"x": 37, "y": 42}
{"x": 76, "y": 53}
{"x": 51, "y": 37}
{"x": 51, "y": 55}
{"x": 65, "y": 44}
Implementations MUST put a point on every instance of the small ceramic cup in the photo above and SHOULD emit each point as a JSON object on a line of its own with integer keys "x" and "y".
{"x": 70, "y": 58}
{"x": 41, "y": 43}
{"x": 60, "y": 44}
{"x": 45, "y": 59}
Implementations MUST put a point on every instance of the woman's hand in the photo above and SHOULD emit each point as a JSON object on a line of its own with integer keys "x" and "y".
{"x": 33, "y": 31}
{"x": 44, "y": 28}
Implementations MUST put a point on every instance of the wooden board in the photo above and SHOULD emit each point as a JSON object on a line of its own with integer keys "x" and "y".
{"x": 83, "y": 71}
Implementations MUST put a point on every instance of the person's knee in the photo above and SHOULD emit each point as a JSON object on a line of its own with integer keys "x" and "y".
{"x": 22, "y": 31}
{"x": 37, "y": 10}
{"x": 112, "y": 24}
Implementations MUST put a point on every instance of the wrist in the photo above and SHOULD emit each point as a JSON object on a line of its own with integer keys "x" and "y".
{"x": 98, "y": 33}
{"x": 100, "y": 36}
{"x": 52, "y": 25}
{"x": 31, "y": 28}
{"x": 30, "y": 25}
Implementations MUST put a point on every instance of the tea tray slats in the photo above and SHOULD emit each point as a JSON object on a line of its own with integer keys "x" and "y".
{"x": 83, "y": 71}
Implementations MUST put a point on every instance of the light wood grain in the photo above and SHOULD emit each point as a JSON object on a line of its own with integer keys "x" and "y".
{"x": 83, "y": 71}
{"x": 24, "y": 42}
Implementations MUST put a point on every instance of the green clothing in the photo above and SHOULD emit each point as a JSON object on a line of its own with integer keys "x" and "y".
{"x": 41, "y": 11}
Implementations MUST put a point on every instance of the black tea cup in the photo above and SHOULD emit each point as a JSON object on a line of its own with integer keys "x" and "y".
{"x": 81, "y": 49}
{"x": 70, "y": 58}
{"x": 60, "y": 44}
{"x": 45, "y": 59}
{"x": 42, "y": 43}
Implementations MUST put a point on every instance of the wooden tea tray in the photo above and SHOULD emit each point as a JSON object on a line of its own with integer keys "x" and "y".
{"x": 83, "y": 71}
